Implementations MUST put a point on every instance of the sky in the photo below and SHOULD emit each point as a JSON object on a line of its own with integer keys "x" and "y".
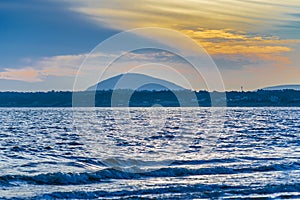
{"x": 253, "y": 43}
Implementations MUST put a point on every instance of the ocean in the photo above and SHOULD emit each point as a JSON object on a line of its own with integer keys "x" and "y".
{"x": 149, "y": 153}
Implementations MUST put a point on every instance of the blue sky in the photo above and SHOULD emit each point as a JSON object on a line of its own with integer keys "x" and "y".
{"x": 45, "y": 28}
{"x": 254, "y": 43}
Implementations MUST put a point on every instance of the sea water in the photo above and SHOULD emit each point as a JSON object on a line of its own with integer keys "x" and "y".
{"x": 160, "y": 153}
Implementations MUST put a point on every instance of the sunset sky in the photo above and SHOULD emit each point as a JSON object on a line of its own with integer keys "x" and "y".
{"x": 254, "y": 43}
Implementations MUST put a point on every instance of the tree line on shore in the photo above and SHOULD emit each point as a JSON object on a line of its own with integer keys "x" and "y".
{"x": 276, "y": 98}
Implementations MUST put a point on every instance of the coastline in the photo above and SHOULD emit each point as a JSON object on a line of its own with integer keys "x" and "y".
{"x": 260, "y": 98}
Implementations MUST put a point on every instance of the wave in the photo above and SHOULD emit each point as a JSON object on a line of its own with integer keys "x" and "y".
{"x": 105, "y": 175}
{"x": 185, "y": 192}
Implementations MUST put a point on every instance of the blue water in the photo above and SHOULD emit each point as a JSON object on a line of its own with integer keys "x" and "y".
{"x": 159, "y": 153}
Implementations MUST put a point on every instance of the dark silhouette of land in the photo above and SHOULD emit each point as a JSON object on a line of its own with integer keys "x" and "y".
{"x": 260, "y": 98}
{"x": 133, "y": 81}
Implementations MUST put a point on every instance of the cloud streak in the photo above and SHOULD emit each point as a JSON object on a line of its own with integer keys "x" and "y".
{"x": 239, "y": 14}
{"x": 221, "y": 27}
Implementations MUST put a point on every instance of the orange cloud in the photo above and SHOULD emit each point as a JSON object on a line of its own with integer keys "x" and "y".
{"x": 29, "y": 74}
{"x": 229, "y": 42}
{"x": 65, "y": 65}
{"x": 26, "y": 74}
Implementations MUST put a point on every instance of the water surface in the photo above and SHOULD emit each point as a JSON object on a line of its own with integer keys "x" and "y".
{"x": 149, "y": 153}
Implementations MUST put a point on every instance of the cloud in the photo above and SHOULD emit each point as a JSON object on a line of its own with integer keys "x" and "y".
{"x": 171, "y": 13}
{"x": 68, "y": 65}
{"x": 26, "y": 74}
{"x": 222, "y": 27}
{"x": 60, "y": 66}
{"x": 226, "y": 41}
{"x": 229, "y": 43}
{"x": 150, "y": 55}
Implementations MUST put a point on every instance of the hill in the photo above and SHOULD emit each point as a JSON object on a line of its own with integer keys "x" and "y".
{"x": 133, "y": 81}
{"x": 283, "y": 87}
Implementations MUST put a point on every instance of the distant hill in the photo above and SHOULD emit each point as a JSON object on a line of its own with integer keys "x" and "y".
{"x": 135, "y": 81}
{"x": 283, "y": 87}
